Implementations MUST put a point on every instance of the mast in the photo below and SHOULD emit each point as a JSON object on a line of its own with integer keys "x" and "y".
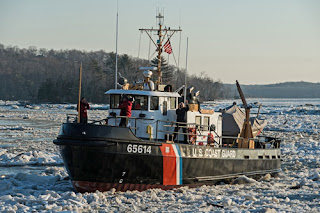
{"x": 162, "y": 34}
{"x": 160, "y": 18}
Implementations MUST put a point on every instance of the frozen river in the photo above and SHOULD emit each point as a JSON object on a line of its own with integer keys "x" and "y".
{"x": 32, "y": 176}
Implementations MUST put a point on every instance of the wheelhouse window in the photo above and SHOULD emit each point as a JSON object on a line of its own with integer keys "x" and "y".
{"x": 114, "y": 101}
{"x": 164, "y": 108}
{"x": 154, "y": 103}
{"x": 198, "y": 122}
{"x": 206, "y": 122}
{"x": 140, "y": 102}
{"x": 173, "y": 103}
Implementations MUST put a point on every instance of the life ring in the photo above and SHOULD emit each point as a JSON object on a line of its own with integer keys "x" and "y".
{"x": 210, "y": 139}
{"x": 192, "y": 134}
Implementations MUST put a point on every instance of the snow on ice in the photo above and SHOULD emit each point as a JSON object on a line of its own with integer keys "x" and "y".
{"x": 32, "y": 176}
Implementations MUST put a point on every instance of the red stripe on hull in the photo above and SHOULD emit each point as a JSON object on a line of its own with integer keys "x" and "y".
{"x": 169, "y": 165}
{"x": 85, "y": 186}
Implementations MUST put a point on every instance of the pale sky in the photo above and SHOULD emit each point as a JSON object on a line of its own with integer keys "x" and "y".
{"x": 253, "y": 41}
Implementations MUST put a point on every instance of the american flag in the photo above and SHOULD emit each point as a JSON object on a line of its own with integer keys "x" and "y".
{"x": 167, "y": 47}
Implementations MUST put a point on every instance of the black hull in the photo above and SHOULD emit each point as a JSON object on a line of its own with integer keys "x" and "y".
{"x": 105, "y": 162}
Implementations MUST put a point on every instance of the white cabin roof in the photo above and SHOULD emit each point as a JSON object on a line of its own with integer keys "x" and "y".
{"x": 142, "y": 92}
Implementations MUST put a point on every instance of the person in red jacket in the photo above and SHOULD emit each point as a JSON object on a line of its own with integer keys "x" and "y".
{"x": 125, "y": 106}
{"x": 84, "y": 106}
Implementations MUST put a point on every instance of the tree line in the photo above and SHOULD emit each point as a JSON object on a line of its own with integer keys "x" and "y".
{"x": 42, "y": 75}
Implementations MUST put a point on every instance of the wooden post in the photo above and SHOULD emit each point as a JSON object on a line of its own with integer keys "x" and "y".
{"x": 80, "y": 74}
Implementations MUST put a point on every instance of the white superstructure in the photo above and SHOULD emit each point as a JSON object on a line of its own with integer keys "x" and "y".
{"x": 153, "y": 116}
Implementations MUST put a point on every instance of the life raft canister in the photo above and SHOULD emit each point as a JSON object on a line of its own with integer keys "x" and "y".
{"x": 192, "y": 134}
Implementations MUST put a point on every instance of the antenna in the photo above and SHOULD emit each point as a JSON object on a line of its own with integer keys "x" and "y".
{"x": 185, "y": 76}
{"x": 116, "y": 71}
{"x": 179, "y": 49}
{"x": 179, "y": 37}
{"x": 160, "y": 18}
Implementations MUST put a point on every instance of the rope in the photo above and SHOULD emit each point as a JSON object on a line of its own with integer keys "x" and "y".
{"x": 149, "y": 50}
{"x": 152, "y": 55}
{"x": 139, "y": 44}
{"x": 174, "y": 58}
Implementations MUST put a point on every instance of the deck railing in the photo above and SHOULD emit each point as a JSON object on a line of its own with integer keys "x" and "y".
{"x": 186, "y": 126}
{"x": 265, "y": 142}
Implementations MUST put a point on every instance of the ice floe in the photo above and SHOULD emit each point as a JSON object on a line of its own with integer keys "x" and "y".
{"x": 39, "y": 182}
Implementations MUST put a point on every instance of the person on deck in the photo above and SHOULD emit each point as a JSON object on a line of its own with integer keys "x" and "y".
{"x": 181, "y": 117}
{"x": 125, "y": 106}
{"x": 84, "y": 106}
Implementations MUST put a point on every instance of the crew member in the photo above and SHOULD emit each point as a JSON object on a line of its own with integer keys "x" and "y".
{"x": 125, "y": 106}
{"x": 84, "y": 106}
{"x": 182, "y": 118}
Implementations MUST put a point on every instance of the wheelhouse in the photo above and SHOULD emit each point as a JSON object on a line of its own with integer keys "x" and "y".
{"x": 153, "y": 116}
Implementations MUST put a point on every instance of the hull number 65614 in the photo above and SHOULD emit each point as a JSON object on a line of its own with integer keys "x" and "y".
{"x": 141, "y": 149}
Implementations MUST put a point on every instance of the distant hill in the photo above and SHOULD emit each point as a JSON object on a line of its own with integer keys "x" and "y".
{"x": 42, "y": 75}
{"x": 281, "y": 90}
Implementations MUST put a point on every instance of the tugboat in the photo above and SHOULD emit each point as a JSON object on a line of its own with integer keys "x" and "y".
{"x": 142, "y": 154}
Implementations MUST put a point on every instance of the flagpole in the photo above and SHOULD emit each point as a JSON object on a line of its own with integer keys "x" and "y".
{"x": 116, "y": 70}
{"x": 185, "y": 76}
{"x": 80, "y": 74}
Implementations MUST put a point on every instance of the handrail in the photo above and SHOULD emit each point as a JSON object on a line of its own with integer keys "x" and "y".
{"x": 177, "y": 122}
{"x": 132, "y": 118}
{"x": 185, "y": 125}
{"x": 197, "y": 125}
{"x": 138, "y": 118}
{"x": 178, "y": 132}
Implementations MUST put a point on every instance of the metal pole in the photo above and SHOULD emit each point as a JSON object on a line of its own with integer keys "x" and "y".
{"x": 116, "y": 71}
{"x": 80, "y": 74}
{"x": 185, "y": 76}
{"x": 157, "y": 131}
{"x": 179, "y": 49}
{"x": 135, "y": 126}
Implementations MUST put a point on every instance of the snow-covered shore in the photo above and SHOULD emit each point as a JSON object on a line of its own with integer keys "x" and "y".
{"x": 32, "y": 176}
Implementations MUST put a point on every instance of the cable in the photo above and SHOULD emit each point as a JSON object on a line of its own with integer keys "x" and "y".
{"x": 139, "y": 44}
